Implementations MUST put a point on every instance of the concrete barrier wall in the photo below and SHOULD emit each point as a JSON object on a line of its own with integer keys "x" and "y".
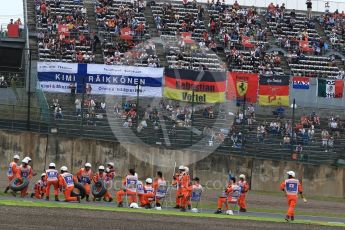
{"x": 264, "y": 175}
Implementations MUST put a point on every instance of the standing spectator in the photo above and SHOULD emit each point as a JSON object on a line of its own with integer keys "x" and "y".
{"x": 309, "y": 8}
{"x": 324, "y": 137}
{"x": 77, "y": 106}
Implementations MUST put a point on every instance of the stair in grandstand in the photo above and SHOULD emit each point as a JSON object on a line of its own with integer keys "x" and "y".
{"x": 31, "y": 23}
{"x": 32, "y": 29}
{"x": 321, "y": 32}
{"x": 90, "y": 9}
{"x": 155, "y": 34}
{"x": 150, "y": 22}
{"x": 270, "y": 38}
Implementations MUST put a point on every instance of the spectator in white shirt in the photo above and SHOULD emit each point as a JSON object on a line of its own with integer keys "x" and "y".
{"x": 77, "y": 106}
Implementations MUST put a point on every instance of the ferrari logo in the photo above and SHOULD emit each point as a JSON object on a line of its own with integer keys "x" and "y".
{"x": 242, "y": 87}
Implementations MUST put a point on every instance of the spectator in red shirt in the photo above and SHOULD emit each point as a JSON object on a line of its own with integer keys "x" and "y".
{"x": 43, "y": 9}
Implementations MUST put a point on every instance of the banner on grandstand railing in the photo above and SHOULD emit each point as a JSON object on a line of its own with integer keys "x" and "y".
{"x": 274, "y": 90}
{"x": 300, "y": 82}
{"x": 63, "y": 28}
{"x": 57, "y": 76}
{"x": 123, "y": 80}
{"x": 240, "y": 84}
{"x": 330, "y": 88}
{"x": 208, "y": 87}
{"x": 187, "y": 37}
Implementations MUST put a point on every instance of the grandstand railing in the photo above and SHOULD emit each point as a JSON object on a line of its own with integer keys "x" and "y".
{"x": 13, "y": 118}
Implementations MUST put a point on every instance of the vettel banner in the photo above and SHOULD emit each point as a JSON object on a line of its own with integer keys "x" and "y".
{"x": 197, "y": 86}
{"x": 57, "y": 76}
{"x": 243, "y": 84}
{"x": 123, "y": 80}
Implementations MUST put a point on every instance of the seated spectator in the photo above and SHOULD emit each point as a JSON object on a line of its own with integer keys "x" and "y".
{"x": 279, "y": 112}
{"x": 286, "y": 140}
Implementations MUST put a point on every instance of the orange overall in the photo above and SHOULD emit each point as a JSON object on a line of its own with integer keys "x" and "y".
{"x": 148, "y": 195}
{"x": 156, "y": 183}
{"x": 24, "y": 172}
{"x": 244, "y": 189}
{"x": 12, "y": 171}
{"x": 130, "y": 189}
{"x": 66, "y": 184}
{"x": 184, "y": 181}
{"x": 175, "y": 183}
{"x": 85, "y": 176}
{"x": 291, "y": 187}
{"x": 109, "y": 179}
{"x": 52, "y": 178}
{"x": 102, "y": 176}
{"x": 222, "y": 199}
{"x": 39, "y": 189}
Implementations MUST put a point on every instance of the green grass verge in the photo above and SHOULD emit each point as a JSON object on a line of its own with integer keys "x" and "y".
{"x": 26, "y": 203}
{"x": 212, "y": 205}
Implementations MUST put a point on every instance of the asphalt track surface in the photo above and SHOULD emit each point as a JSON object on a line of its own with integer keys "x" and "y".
{"x": 12, "y": 217}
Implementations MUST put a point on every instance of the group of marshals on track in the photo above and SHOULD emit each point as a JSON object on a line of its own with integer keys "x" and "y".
{"x": 132, "y": 188}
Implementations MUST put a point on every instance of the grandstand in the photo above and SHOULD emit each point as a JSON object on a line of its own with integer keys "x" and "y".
{"x": 197, "y": 36}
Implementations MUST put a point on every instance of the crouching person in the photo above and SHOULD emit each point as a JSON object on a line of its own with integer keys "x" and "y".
{"x": 102, "y": 176}
{"x": 66, "y": 184}
{"x": 148, "y": 196}
{"x": 40, "y": 187}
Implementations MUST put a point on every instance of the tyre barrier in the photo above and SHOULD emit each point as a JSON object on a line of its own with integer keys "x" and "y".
{"x": 99, "y": 189}
{"x": 78, "y": 190}
{"x": 16, "y": 186}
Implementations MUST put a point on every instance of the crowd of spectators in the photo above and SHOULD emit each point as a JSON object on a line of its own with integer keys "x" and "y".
{"x": 123, "y": 26}
{"x": 257, "y": 61}
{"x": 333, "y": 24}
{"x": 143, "y": 54}
{"x": 63, "y": 31}
{"x": 235, "y": 24}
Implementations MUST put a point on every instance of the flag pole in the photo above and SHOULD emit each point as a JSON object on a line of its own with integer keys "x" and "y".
{"x": 317, "y": 92}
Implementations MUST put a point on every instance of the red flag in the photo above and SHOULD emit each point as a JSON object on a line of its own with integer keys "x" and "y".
{"x": 63, "y": 28}
{"x": 246, "y": 42}
{"x": 240, "y": 84}
{"x": 187, "y": 37}
{"x": 126, "y": 34}
{"x": 304, "y": 46}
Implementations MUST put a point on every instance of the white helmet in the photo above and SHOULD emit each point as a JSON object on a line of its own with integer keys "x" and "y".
{"x": 242, "y": 176}
{"x": 186, "y": 169}
{"x": 52, "y": 165}
{"x": 134, "y": 205}
{"x": 229, "y": 212}
{"x": 291, "y": 173}
{"x": 87, "y": 165}
{"x": 28, "y": 158}
{"x": 111, "y": 164}
{"x": 181, "y": 167}
{"x": 64, "y": 168}
{"x": 25, "y": 161}
{"x": 195, "y": 210}
{"x": 101, "y": 167}
{"x": 16, "y": 157}
{"x": 149, "y": 181}
{"x": 43, "y": 174}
